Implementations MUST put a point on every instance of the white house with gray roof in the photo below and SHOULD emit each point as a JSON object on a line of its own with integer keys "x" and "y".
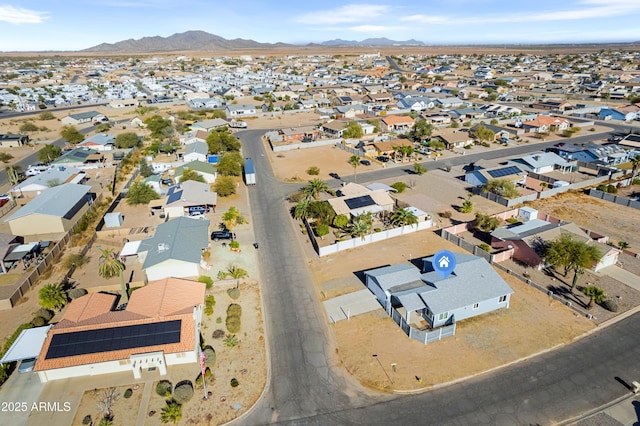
{"x": 426, "y": 300}
{"x": 49, "y": 178}
{"x": 196, "y": 151}
{"x": 209, "y": 172}
{"x": 175, "y": 250}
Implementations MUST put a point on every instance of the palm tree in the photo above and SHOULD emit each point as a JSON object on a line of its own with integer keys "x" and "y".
{"x": 237, "y": 273}
{"x": 361, "y": 225}
{"x": 402, "y": 217}
{"x": 596, "y": 294}
{"x": 354, "y": 160}
{"x": 110, "y": 266}
{"x": 302, "y": 209}
{"x": 171, "y": 413}
{"x": 406, "y": 151}
{"x": 314, "y": 187}
{"x": 635, "y": 165}
{"x": 52, "y": 296}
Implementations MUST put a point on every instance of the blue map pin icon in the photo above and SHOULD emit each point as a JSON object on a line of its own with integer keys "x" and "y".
{"x": 444, "y": 262}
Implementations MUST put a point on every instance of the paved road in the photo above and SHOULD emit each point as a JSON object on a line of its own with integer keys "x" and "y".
{"x": 307, "y": 386}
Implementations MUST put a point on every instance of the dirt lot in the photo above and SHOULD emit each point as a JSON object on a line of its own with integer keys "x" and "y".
{"x": 617, "y": 222}
{"x": 532, "y": 324}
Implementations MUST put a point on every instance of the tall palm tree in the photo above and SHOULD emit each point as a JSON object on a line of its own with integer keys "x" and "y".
{"x": 314, "y": 187}
{"x": 407, "y": 151}
{"x": 171, "y": 413}
{"x": 52, "y": 296}
{"x": 237, "y": 273}
{"x": 354, "y": 160}
{"x": 302, "y": 209}
{"x": 596, "y": 294}
{"x": 402, "y": 217}
{"x": 110, "y": 266}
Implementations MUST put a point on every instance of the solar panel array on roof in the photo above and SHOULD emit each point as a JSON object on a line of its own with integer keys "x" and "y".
{"x": 114, "y": 339}
{"x": 505, "y": 171}
{"x": 358, "y": 202}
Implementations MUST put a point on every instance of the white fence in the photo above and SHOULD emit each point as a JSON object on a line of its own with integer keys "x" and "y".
{"x": 423, "y": 336}
{"x": 302, "y": 145}
{"x": 367, "y": 239}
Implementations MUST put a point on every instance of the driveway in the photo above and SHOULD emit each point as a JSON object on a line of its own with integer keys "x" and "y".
{"x": 356, "y": 303}
{"x": 622, "y": 275}
{"x": 17, "y": 396}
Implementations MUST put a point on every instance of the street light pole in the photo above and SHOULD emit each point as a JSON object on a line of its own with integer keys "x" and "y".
{"x": 383, "y": 369}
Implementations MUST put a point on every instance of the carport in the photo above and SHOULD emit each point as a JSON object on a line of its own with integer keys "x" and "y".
{"x": 28, "y": 345}
{"x": 356, "y": 303}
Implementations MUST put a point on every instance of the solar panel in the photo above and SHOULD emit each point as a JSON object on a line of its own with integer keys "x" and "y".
{"x": 358, "y": 202}
{"x": 114, "y": 339}
{"x": 505, "y": 171}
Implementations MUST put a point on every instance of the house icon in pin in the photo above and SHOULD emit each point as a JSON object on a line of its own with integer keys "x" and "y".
{"x": 443, "y": 262}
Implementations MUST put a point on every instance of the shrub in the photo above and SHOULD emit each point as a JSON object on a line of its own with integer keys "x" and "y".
{"x": 446, "y": 214}
{"x": 234, "y": 383}
{"x": 231, "y": 341}
{"x": 219, "y": 320}
{"x": 207, "y": 280}
{"x": 207, "y": 374}
{"x": 225, "y": 186}
{"x": 128, "y": 393}
{"x": 313, "y": 171}
{"x": 183, "y": 391}
{"x": 76, "y": 292}
{"x": 76, "y": 259}
{"x": 233, "y": 324}
{"x": 218, "y": 334}
{"x": 44, "y": 313}
{"x": 38, "y": 322}
{"x": 610, "y": 305}
{"x": 164, "y": 388}
{"x": 399, "y": 187}
{"x": 234, "y": 310}
{"x": 86, "y": 420}
{"x": 209, "y": 355}
{"x": 209, "y": 303}
{"x": 486, "y": 247}
{"x": 512, "y": 220}
{"x": 234, "y": 292}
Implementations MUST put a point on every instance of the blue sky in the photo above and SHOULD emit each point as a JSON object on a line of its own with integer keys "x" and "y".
{"x": 35, "y": 25}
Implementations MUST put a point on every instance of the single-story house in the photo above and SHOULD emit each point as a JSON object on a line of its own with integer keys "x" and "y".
{"x": 388, "y": 148}
{"x": 159, "y": 327}
{"x": 47, "y": 179}
{"x": 480, "y": 176}
{"x": 544, "y": 162}
{"x": 307, "y": 133}
{"x": 240, "y": 110}
{"x": 54, "y": 211}
{"x": 208, "y": 171}
{"x": 83, "y": 117}
{"x": 13, "y": 141}
{"x": 624, "y": 113}
{"x": 175, "y": 250}
{"x": 396, "y": 123}
{"x": 354, "y": 199}
{"x": 196, "y": 151}
{"x": 545, "y": 123}
{"x": 210, "y": 125}
{"x": 334, "y": 128}
{"x": 99, "y": 142}
{"x": 181, "y": 197}
{"x": 427, "y": 300}
{"x": 81, "y": 158}
{"x": 528, "y": 239}
{"x": 453, "y": 138}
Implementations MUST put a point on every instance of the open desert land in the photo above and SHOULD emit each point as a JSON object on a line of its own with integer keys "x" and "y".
{"x": 532, "y": 324}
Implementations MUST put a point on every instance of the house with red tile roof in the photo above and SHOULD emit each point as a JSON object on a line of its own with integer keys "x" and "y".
{"x": 545, "y": 123}
{"x": 159, "y": 327}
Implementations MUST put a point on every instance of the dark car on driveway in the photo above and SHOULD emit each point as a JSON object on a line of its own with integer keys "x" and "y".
{"x": 223, "y": 235}
{"x": 365, "y": 162}
{"x": 383, "y": 158}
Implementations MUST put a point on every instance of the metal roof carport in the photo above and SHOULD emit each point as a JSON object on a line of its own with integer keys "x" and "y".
{"x": 27, "y": 345}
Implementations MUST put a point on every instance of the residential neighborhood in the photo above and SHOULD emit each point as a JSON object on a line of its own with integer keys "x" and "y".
{"x": 164, "y": 216}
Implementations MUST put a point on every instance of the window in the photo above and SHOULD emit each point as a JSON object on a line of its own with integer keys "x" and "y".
{"x": 476, "y": 305}
{"x": 502, "y": 299}
{"x": 443, "y": 316}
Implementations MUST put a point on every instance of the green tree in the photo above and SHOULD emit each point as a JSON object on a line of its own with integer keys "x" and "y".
{"x": 402, "y": 217}
{"x": 141, "y": 193}
{"x": 71, "y": 134}
{"x": 145, "y": 168}
{"x": 237, "y": 273}
{"x": 572, "y": 254}
{"x": 502, "y": 187}
{"x": 353, "y": 131}
{"x": 419, "y": 169}
{"x": 467, "y": 207}
{"x": 159, "y": 127}
{"x": 222, "y": 141}
{"x": 314, "y": 187}
{"x": 48, "y": 153}
{"x": 230, "y": 164}
{"x": 302, "y": 210}
{"x": 110, "y": 266}
{"x": 321, "y": 230}
{"x": 437, "y": 145}
{"x": 52, "y": 296}
{"x": 127, "y": 140}
{"x": 483, "y": 134}
{"x": 225, "y": 186}
{"x": 171, "y": 413}
{"x": 361, "y": 225}
{"x": 354, "y": 160}
{"x": 232, "y": 217}
{"x": 421, "y": 130}
{"x": 341, "y": 221}
{"x": 322, "y": 211}
{"x": 486, "y": 223}
{"x": 595, "y": 294}
{"x": 190, "y": 174}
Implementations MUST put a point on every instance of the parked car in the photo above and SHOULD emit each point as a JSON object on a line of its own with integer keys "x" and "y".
{"x": 3, "y": 201}
{"x": 383, "y": 158}
{"x": 166, "y": 181}
{"x": 365, "y": 162}
{"x": 27, "y": 365}
{"x": 223, "y": 235}
{"x": 5, "y": 197}
{"x": 198, "y": 216}
{"x": 36, "y": 169}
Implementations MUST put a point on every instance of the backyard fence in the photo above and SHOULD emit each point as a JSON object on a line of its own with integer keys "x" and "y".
{"x": 423, "y": 336}
{"x": 623, "y": 201}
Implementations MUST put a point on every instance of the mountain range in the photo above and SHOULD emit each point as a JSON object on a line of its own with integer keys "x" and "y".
{"x": 204, "y": 41}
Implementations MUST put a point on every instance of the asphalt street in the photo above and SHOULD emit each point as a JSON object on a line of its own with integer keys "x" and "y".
{"x": 306, "y": 385}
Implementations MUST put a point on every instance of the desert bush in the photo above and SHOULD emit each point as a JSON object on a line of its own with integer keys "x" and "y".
{"x": 234, "y": 310}
{"x": 446, "y": 214}
{"x": 38, "y": 322}
{"x": 183, "y": 391}
{"x": 233, "y": 324}
{"x": 234, "y": 383}
{"x": 218, "y": 334}
{"x": 209, "y": 356}
{"x": 207, "y": 374}
{"x": 164, "y": 388}
{"x": 610, "y": 305}
{"x": 209, "y": 303}
{"x": 399, "y": 186}
{"x": 486, "y": 247}
{"x": 234, "y": 292}
{"x": 313, "y": 171}
{"x": 75, "y": 259}
{"x": 86, "y": 420}
{"x": 128, "y": 393}
{"x": 207, "y": 280}
{"x": 44, "y": 313}
{"x": 76, "y": 292}
{"x": 512, "y": 220}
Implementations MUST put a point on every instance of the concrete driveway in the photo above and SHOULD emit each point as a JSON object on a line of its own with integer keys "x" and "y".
{"x": 622, "y": 275}
{"x": 345, "y": 306}
{"x": 18, "y": 394}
